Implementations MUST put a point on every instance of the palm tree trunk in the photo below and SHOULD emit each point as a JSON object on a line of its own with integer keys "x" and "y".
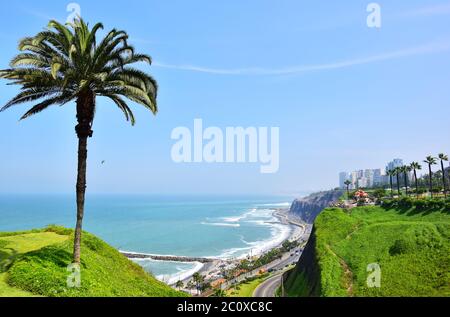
{"x": 348, "y": 194}
{"x": 406, "y": 183}
{"x": 81, "y": 191}
{"x": 417, "y": 185}
{"x": 392, "y": 189}
{"x": 85, "y": 117}
{"x": 430, "y": 177}
{"x": 398, "y": 185}
{"x": 443, "y": 179}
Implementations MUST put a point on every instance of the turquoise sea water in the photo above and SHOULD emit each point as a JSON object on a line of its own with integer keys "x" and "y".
{"x": 190, "y": 226}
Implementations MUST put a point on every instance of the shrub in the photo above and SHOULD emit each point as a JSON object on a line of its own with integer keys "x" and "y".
{"x": 447, "y": 206}
{"x": 405, "y": 203}
{"x": 400, "y": 246}
{"x": 59, "y": 230}
{"x": 389, "y": 204}
{"x": 421, "y": 204}
{"x": 436, "y": 204}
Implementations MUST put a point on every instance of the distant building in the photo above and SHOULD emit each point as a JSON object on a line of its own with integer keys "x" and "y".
{"x": 343, "y": 176}
{"x": 377, "y": 177}
{"x": 369, "y": 178}
{"x": 394, "y": 164}
{"x": 368, "y": 175}
{"x": 363, "y": 182}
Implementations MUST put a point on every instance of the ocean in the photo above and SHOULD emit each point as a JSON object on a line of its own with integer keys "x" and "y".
{"x": 201, "y": 226}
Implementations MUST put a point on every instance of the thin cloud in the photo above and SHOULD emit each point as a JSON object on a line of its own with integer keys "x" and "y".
{"x": 421, "y": 50}
{"x": 440, "y": 9}
{"x": 38, "y": 14}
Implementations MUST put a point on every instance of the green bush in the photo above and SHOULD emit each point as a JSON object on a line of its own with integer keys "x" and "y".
{"x": 427, "y": 204}
{"x": 421, "y": 204}
{"x": 447, "y": 206}
{"x": 400, "y": 246}
{"x": 405, "y": 203}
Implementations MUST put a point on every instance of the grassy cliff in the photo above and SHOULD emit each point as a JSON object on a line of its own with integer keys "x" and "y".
{"x": 411, "y": 247}
{"x": 34, "y": 263}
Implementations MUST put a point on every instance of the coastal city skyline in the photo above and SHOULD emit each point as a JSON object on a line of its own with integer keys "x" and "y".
{"x": 368, "y": 178}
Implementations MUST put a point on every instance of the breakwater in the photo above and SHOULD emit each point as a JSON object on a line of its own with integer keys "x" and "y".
{"x": 173, "y": 258}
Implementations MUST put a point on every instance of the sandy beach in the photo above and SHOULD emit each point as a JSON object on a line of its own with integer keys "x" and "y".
{"x": 213, "y": 270}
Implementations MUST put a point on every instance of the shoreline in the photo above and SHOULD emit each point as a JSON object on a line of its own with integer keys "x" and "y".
{"x": 212, "y": 269}
{"x": 292, "y": 230}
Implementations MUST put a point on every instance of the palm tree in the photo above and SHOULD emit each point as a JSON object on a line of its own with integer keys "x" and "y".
{"x": 64, "y": 63}
{"x": 443, "y": 158}
{"x": 397, "y": 172}
{"x": 198, "y": 280}
{"x": 390, "y": 173}
{"x": 179, "y": 285}
{"x": 347, "y": 183}
{"x": 415, "y": 166}
{"x": 405, "y": 170}
{"x": 219, "y": 293}
{"x": 430, "y": 161}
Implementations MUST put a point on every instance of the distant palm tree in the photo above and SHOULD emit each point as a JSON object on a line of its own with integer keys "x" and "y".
{"x": 390, "y": 173}
{"x": 347, "y": 183}
{"x": 397, "y": 172}
{"x": 430, "y": 161}
{"x": 198, "y": 280}
{"x": 405, "y": 170}
{"x": 219, "y": 293}
{"x": 67, "y": 63}
{"x": 415, "y": 166}
{"x": 179, "y": 285}
{"x": 443, "y": 158}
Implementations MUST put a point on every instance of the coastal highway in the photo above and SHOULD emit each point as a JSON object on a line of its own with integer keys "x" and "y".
{"x": 268, "y": 287}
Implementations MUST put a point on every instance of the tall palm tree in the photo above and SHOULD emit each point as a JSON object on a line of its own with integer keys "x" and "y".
{"x": 430, "y": 161}
{"x": 66, "y": 63}
{"x": 405, "y": 170}
{"x": 390, "y": 173}
{"x": 347, "y": 183}
{"x": 397, "y": 172}
{"x": 198, "y": 280}
{"x": 415, "y": 166}
{"x": 443, "y": 158}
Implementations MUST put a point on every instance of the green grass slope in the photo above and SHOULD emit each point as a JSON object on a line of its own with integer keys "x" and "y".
{"x": 411, "y": 247}
{"x": 34, "y": 263}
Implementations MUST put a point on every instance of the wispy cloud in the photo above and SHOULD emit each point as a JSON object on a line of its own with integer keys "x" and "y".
{"x": 439, "y": 9}
{"x": 38, "y": 14}
{"x": 420, "y": 50}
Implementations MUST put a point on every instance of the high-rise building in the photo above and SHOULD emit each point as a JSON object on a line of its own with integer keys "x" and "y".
{"x": 377, "y": 177}
{"x": 363, "y": 182}
{"x": 368, "y": 175}
{"x": 354, "y": 176}
{"x": 343, "y": 176}
{"x": 393, "y": 164}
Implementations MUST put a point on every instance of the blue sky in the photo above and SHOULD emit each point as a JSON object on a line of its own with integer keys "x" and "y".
{"x": 344, "y": 96}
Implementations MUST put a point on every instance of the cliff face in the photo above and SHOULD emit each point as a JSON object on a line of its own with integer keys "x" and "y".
{"x": 309, "y": 207}
{"x": 304, "y": 280}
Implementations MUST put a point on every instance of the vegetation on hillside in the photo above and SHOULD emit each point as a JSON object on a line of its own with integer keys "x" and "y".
{"x": 411, "y": 245}
{"x": 35, "y": 263}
